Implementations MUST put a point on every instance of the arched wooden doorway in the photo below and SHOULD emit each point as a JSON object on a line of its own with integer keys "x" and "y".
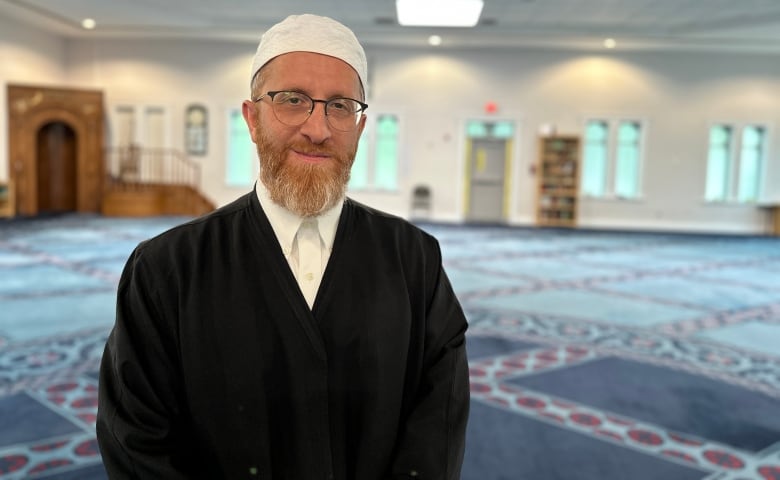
{"x": 56, "y": 164}
{"x": 55, "y": 149}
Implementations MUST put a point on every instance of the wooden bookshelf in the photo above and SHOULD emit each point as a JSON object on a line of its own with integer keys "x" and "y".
{"x": 558, "y": 181}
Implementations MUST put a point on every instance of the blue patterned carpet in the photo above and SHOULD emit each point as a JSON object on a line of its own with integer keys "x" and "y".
{"x": 594, "y": 355}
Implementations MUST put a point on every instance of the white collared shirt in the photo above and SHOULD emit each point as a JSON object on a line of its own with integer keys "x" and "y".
{"x": 286, "y": 225}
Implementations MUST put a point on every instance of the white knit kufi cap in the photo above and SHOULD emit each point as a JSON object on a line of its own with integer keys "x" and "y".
{"x": 311, "y": 33}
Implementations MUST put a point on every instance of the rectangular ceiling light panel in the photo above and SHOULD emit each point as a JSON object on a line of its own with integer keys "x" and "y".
{"x": 439, "y": 13}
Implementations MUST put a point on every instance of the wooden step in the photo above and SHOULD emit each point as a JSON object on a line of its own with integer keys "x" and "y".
{"x": 154, "y": 200}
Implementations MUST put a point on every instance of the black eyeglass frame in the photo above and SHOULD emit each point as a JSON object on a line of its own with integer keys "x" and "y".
{"x": 272, "y": 94}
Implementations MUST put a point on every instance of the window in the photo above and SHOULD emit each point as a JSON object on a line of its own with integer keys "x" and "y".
{"x": 594, "y": 169}
{"x": 718, "y": 163}
{"x": 377, "y": 160}
{"x": 358, "y": 179}
{"x": 734, "y": 163}
{"x": 476, "y": 129}
{"x": 503, "y": 129}
{"x": 124, "y": 126}
{"x": 386, "y": 153}
{"x": 612, "y": 167}
{"x": 751, "y": 153}
{"x": 155, "y": 121}
{"x": 242, "y": 165}
{"x": 196, "y": 129}
{"x": 138, "y": 135}
{"x": 146, "y": 126}
{"x": 627, "y": 163}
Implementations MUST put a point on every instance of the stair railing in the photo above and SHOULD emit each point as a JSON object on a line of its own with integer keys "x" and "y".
{"x": 133, "y": 167}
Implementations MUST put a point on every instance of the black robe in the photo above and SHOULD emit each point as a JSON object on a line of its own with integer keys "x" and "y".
{"x": 216, "y": 367}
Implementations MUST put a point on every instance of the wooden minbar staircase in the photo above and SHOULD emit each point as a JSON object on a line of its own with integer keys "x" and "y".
{"x": 152, "y": 181}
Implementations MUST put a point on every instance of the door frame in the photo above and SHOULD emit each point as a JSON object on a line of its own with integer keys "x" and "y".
{"x": 31, "y": 108}
{"x": 511, "y": 154}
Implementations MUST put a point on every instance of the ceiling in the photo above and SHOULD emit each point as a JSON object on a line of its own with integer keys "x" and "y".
{"x": 714, "y": 25}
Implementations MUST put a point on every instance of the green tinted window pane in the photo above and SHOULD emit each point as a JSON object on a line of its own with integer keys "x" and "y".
{"x": 359, "y": 174}
{"x": 718, "y": 163}
{"x": 594, "y": 172}
{"x": 627, "y": 162}
{"x": 752, "y": 137}
{"x": 241, "y": 166}
{"x": 750, "y": 164}
{"x": 748, "y": 177}
{"x": 476, "y": 129}
{"x": 596, "y": 131}
{"x": 717, "y": 172}
{"x": 628, "y": 132}
{"x": 503, "y": 130}
{"x": 386, "y": 153}
{"x": 627, "y": 172}
{"x": 387, "y": 126}
{"x": 720, "y": 135}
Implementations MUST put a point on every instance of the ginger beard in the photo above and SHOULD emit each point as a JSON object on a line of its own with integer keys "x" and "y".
{"x": 306, "y": 189}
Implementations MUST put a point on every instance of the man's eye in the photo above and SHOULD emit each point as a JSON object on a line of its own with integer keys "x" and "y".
{"x": 292, "y": 99}
{"x": 339, "y": 105}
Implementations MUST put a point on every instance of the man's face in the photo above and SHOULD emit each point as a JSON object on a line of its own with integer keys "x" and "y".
{"x": 306, "y": 167}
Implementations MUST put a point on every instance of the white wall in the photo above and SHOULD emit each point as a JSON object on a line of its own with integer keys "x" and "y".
{"x": 678, "y": 95}
{"x": 27, "y": 57}
{"x": 172, "y": 74}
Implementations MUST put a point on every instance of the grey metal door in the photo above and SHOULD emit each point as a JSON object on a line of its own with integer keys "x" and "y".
{"x": 487, "y": 171}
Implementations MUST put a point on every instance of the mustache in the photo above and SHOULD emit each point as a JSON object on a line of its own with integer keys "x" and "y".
{"x": 309, "y": 150}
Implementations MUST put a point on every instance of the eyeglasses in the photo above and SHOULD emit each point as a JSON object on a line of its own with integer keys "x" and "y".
{"x": 294, "y": 108}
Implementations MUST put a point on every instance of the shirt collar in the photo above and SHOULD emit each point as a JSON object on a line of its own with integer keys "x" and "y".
{"x": 286, "y": 223}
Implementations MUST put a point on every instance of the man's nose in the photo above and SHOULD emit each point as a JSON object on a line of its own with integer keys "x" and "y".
{"x": 316, "y": 127}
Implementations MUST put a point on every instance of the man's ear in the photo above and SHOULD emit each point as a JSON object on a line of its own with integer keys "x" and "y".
{"x": 250, "y": 113}
{"x": 361, "y": 124}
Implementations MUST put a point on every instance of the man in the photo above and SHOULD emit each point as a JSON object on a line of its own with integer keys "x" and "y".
{"x": 293, "y": 334}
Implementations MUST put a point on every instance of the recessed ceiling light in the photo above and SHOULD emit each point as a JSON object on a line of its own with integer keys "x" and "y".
{"x": 610, "y": 43}
{"x": 434, "y": 40}
{"x": 88, "y": 23}
{"x": 439, "y": 13}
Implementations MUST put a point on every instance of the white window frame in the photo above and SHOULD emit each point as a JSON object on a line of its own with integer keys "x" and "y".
{"x": 139, "y": 123}
{"x": 735, "y": 152}
{"x": 613, "y": 126}
{"x": 228, "y": 114}
{"x": 369, "y": 136}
